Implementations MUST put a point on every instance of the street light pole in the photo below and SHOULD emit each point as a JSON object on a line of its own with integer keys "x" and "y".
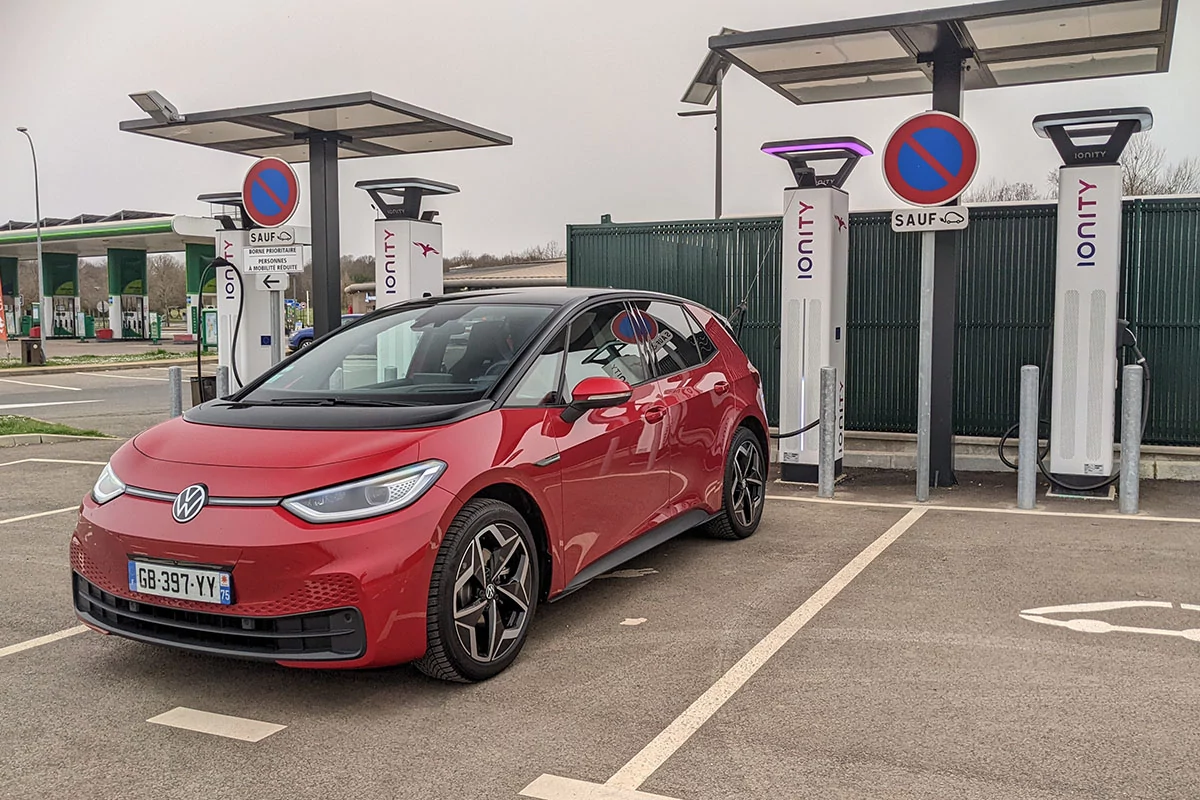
{"x": 720, "y": 80}
{"x": 37, "y": 204}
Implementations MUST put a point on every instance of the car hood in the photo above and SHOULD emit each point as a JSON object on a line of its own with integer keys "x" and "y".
{"x": 251, "y": 462}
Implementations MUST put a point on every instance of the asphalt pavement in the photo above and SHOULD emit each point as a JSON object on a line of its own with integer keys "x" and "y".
{"x": 120, "y": 402}
{"x": 861, "y": 648}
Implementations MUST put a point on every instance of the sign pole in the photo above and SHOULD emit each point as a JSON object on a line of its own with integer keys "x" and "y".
{"x": 276, "y": 326}
{"x": 925, "y": 365}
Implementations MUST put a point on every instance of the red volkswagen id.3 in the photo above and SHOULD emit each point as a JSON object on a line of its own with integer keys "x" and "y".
{"x": 411, "y": 486}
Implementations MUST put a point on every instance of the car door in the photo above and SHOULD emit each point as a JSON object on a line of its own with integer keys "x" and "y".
{"x": 612, "y": 460}
{"x": 694, "y": 388}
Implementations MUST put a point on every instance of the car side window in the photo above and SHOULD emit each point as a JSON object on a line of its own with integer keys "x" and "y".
{"x": 669, "y": 336}
{"x": 704, "y": 344}
{"x": 602, "y": 342}
{"x": 540, "y": 385}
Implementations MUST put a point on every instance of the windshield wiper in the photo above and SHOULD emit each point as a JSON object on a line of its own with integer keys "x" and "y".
{"x": 323, "y": 401}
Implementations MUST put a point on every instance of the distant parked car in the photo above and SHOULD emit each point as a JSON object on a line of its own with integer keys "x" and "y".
{"x": 304, "y": 337}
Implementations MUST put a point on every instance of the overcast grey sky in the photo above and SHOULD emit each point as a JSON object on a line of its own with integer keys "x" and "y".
{"x": 587, "y": 90}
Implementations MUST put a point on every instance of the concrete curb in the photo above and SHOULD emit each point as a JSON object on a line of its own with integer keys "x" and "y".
{"x": 107, "y": 366}
{"x": 23, "y": 439}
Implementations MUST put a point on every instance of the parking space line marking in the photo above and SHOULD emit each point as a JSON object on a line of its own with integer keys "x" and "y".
{"x": 52, "y": 461}
{"x": 41, "y": 640}
{"x": 552, "y": 787}
{"x": 240, "y": 728}
{"x": 39, "y": 514}
{"x": 42, "y": 405}
{"x": 124, "y": 377}
{"x": 41, "y": 385}
{"x": 653, "y": 755}
{"x": 1034, "y": 513}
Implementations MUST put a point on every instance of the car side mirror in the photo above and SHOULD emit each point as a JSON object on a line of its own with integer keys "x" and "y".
{"x": 595, "y": 392}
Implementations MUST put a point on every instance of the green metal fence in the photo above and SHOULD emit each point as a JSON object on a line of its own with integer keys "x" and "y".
{"x": 1006, "y": 303}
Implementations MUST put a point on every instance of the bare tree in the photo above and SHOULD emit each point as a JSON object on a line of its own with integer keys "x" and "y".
{"x": 1145, "y": 171}
{"x": 995, "y": 190}
{"x": 166, "y": 283}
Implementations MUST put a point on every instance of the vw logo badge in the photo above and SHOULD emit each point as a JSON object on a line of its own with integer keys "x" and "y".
{"x": 189, "y": 502}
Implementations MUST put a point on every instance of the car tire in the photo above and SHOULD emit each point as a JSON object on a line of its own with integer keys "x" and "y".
{"x": 745, "y": 489}
{"x": 303, "y": 344}
{"x": 483, "y": 594}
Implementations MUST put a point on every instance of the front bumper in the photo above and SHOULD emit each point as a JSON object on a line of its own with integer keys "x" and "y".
{"x": 346, "y": 595}
{"x": 336, "y": 635}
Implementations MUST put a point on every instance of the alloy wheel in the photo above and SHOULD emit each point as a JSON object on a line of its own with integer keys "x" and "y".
{"x": 747, "y": 491}
{"x": 492, "y": 590}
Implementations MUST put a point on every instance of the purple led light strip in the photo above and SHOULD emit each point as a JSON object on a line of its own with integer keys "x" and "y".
{"x": 853, "y": 147}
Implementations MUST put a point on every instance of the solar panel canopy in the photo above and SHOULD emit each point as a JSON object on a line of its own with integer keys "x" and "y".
{"x": 1004, "y": 43}
{"x": 364, "y": 124}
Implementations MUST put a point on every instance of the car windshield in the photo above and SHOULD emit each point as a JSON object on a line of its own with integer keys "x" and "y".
{"x": 442, "y": 354}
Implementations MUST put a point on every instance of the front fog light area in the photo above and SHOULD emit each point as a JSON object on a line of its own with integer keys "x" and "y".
{"x": 369, "y": 497}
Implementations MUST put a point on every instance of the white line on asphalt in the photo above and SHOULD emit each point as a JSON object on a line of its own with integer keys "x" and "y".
{"x": 552, "y": 787}
{"x": 653, "y": 755}
{"x": 41, "y": 640}
{"x": 40, "y": 514}
{"x": 1034, "y": 513}
{"x": 41, "y": 385}
{"x": 189, "y": 719}
{"x": 124, "y": 377}
{"x": 52, "y": 461}
{"x": 42, "y": 405}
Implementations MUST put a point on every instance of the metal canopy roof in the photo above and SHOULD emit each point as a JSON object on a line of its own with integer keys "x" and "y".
{"x": 365, "y": 124}
{"x": 156, "y": 233}
{"x": 1002, "y": 43}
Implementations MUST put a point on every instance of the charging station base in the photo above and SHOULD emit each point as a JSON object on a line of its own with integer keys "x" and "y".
{"x": 806, "y": 473}
{"x": 1105, "y": 493}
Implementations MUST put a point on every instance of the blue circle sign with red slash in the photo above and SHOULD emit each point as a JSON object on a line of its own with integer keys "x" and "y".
{"x": 930, "y": 159}
{"x": 627, "y": 328}
{"x": 270, "y": 192}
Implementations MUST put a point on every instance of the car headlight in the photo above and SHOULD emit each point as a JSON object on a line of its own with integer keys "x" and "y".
{"x": 369, "y": 497}
{"x": 108, "y": 486}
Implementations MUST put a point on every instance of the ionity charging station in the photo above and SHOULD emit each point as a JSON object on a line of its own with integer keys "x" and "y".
{"x": 408, "y": 243}
{"x": 252, "y": 266}
{"x": 816, "y": 249}
{"x": 1087, "y": 331}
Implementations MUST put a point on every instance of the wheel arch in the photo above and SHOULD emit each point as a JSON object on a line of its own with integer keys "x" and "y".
{"x": 528, "y": 507}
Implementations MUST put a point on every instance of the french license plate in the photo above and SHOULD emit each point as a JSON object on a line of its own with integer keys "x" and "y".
{"x": 185, "y": 583}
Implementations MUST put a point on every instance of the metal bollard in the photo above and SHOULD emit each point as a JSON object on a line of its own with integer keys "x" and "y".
{"x": 222, "y": 381}
{"x": 1027, "y": 454}
{"x": 1131, "y": 438}
{"x": 827, "y": 447}
{"x": 175, "y": 379}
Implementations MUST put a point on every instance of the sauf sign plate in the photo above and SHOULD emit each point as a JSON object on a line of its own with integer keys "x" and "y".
{"x": 945, "y": 218}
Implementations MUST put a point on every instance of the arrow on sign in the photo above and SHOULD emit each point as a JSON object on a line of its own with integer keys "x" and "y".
{"x": 271, "y": 281}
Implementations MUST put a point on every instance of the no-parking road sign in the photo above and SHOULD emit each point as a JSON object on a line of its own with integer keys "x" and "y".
{"x": 930, "y": 159}
{"x": 270, "y": 192}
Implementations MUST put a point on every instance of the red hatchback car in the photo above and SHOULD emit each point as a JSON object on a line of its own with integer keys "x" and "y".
{"x": 411, "y": 486}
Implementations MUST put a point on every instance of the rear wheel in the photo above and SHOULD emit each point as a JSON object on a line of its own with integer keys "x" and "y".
{"x": 745, "y": 490}
{"x": 483, "y": 594}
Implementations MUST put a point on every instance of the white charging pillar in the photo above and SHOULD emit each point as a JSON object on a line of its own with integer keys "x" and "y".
{"x": 1087, "y": 282}
{"x": 816, "y": 251}
{"x": 244, "y": 345}
{"x": 408, "y": 260}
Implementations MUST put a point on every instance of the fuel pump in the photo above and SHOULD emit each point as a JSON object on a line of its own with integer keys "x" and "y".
{"x": 1088, "y": 335}
{"x": 816, "y": 247}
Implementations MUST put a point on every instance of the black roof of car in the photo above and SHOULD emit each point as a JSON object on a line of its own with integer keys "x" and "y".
{"x": 551, "y": 295}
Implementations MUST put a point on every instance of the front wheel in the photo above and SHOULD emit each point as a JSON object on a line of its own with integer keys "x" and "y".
{"x": 483, "y": 594}
{"x": 745, "y": 490}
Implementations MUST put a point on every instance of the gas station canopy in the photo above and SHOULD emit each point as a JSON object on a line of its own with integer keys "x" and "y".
{"x": 92, "y": 235}
{"x": 1003, "y": 43}
{"x": 364, "y": 124}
